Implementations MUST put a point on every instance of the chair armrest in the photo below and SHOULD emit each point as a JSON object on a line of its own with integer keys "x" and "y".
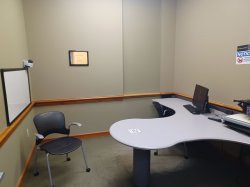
{"x": 39, "y": 136}
{"x": 74, "y": 124}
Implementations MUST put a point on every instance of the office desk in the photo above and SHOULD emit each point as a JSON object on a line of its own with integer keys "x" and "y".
{"x": 150, "y": 134}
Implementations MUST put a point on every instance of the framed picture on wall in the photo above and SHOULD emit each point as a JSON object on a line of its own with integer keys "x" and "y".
{"x": 78, "y": 58}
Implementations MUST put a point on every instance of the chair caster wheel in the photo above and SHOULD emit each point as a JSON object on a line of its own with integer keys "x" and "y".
{"x": 68, "y": 159}
{"x": 36, "y": 174}
{"x": 88, "y": 169}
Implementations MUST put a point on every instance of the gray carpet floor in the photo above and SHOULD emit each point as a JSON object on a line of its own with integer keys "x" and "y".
{"x": 111, "y": 166}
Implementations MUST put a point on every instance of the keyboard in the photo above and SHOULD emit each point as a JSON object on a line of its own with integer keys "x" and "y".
{"x": 191, "y": 109}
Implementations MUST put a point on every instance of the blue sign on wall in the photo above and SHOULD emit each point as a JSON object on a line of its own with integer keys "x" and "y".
{"x": 243, "y": 54}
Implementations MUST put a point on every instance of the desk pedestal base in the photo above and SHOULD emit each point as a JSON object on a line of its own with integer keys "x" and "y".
{"x": 141, "y": 167}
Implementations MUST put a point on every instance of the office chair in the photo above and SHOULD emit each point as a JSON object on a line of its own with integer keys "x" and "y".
{"x": 164, "y": 111}
{"x": 54, "y": 122}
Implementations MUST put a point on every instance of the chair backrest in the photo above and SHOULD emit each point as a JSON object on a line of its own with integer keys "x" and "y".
{"x": 158, "y": 108}
{"x": 50, "y": 122}
{"x": 162, "y": 110}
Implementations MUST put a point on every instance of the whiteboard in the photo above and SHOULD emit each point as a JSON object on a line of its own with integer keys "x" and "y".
{"x": 16, "y": 90}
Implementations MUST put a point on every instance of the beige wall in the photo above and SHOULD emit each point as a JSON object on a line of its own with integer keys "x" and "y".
{"x": 168, "y": 23}
{"x": 124, "y": 41}
{"x": 148, "y": 45}
{"x": 54, "y": 27}
{"x": 141, "y": 45}
{"x": 97, "y": 117}
{"x": 15, "y": 151}
{"x": 134, "y": 46}
{"x": 13, "y": 44}
{"x": 207, "y": 35}
{"x": 13, "y": 47}
{"x": 130, "y": 44}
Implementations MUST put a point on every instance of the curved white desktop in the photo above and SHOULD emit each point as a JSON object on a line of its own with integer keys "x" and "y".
{"x": 147, "y": 134}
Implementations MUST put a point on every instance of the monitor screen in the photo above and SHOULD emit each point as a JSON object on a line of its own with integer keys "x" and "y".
{"x": 200, "y": 98}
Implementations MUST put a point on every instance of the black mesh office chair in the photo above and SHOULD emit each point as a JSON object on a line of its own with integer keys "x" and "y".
{"x": 164, "y": 111}
{"x": 54, "y": 122}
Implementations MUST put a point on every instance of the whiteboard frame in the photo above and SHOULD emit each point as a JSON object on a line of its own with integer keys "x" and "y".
{"x": 7, "y": 109}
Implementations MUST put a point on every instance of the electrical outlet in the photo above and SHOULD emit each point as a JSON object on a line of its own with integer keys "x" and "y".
{"x": 28, "y": 132}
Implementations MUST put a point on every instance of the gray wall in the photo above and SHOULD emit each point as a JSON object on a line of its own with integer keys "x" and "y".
{"x": 207, "y": 36}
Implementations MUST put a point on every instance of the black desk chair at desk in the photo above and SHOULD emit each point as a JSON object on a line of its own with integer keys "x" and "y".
{"x": 164, "y": 111}
{"x": 54, "y": 122}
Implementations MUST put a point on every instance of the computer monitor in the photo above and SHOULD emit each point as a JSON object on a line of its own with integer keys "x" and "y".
{"x": 200, "y": 98}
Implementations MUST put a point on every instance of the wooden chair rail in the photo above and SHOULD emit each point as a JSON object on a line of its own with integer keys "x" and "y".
{"x": 4, "y": 135}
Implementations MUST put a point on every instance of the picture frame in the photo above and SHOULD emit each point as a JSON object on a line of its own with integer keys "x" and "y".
{"x": 78, "y": 58}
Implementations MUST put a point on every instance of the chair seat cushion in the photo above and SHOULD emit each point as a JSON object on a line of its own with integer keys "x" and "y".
{"x": 61, "y": 146}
